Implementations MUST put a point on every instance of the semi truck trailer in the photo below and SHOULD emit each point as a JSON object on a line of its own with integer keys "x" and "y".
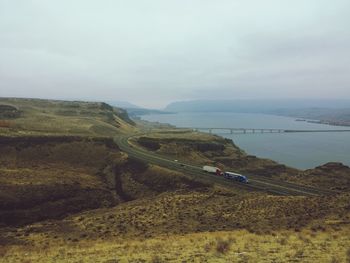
{"x": 212, "y": 169}
{"x": 228, "y": 175}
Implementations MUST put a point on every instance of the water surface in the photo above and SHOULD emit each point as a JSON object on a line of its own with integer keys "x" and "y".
{"x": 300, "y": 150}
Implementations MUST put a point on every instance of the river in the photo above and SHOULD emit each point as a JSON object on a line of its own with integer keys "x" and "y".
{"x": 299, "y": 150}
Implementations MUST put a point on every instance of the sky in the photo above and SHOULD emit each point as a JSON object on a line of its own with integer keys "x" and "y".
{"x": 153, "y": 52}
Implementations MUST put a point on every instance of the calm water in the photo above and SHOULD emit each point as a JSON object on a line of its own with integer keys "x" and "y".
{"x": 300, "y": 150}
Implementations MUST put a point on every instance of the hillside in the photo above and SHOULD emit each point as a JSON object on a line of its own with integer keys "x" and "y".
{"x": 207, "y": 149}
{"x": 36, "y": 116}
{"x": 194, "y": 224}
{"x": 79, "y": 198}
{"x": 52, "y": 177}
{"x": 335, "y": 176}
{"x": 69, "y": 194}
{"x": 136, "y": 112}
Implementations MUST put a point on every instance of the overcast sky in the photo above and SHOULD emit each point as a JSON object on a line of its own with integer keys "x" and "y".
{"x": 152, "y": 52}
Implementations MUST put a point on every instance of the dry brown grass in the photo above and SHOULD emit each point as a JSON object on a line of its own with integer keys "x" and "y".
{"x": 185, "y": 211}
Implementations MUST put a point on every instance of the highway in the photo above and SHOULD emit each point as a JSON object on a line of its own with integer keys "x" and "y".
{"x": 256, "y": 183}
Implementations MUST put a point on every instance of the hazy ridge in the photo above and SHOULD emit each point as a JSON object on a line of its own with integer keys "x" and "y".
{"x": 334, "y": 112}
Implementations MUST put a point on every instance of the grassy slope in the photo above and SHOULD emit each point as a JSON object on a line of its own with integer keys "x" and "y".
{"x": 66, "y": 117}
{"x": 334, "y": 176}
{"x": 50, "y": 177}
{"x": 205, "y": 224}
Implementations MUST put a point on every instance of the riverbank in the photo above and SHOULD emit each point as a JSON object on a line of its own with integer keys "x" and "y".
{"x": 331, "y": 123}
{"x": 300, "y": 150}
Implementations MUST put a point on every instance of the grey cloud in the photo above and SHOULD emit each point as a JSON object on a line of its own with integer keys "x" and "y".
{"x": 154, "y": 52}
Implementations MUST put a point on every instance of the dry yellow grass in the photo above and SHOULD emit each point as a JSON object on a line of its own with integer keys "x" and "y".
{"x": 228, "y": 246}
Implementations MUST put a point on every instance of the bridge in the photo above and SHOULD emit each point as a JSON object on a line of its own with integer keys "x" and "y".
{"x": 256, "y": 130}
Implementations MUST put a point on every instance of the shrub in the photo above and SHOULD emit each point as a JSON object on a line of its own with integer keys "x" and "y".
{"x": 222, "y": 246}
{"x": 157, "y": 259}
{"x": 335, "y": 260}
{"x": 348, "y": 255}
{"x": 149, "y": 143}
{"x": 299, "y": 253}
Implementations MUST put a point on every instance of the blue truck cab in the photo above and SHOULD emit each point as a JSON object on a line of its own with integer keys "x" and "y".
{"x": 236, "y": 177}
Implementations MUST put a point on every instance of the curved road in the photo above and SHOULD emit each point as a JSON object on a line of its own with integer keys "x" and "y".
{"x": 256, "y": 183}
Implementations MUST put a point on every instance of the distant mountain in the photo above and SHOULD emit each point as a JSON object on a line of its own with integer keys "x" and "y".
{"x": 333, "y": 116}
{"x": 122, "y": 104}
{"x": 254, "y": 106}
{"x": 136, "y": 112}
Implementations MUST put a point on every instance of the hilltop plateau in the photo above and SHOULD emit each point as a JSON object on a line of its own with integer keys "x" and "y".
{"x": 37, "y": 116}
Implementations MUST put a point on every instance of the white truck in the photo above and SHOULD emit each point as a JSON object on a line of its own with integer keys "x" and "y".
{"x": 212, "y": 169}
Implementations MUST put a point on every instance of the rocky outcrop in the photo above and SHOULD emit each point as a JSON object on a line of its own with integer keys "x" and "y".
{"x": 201, "y": 146}
{"x": 9, "y": 112}
{"x": 332, "y": 167}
